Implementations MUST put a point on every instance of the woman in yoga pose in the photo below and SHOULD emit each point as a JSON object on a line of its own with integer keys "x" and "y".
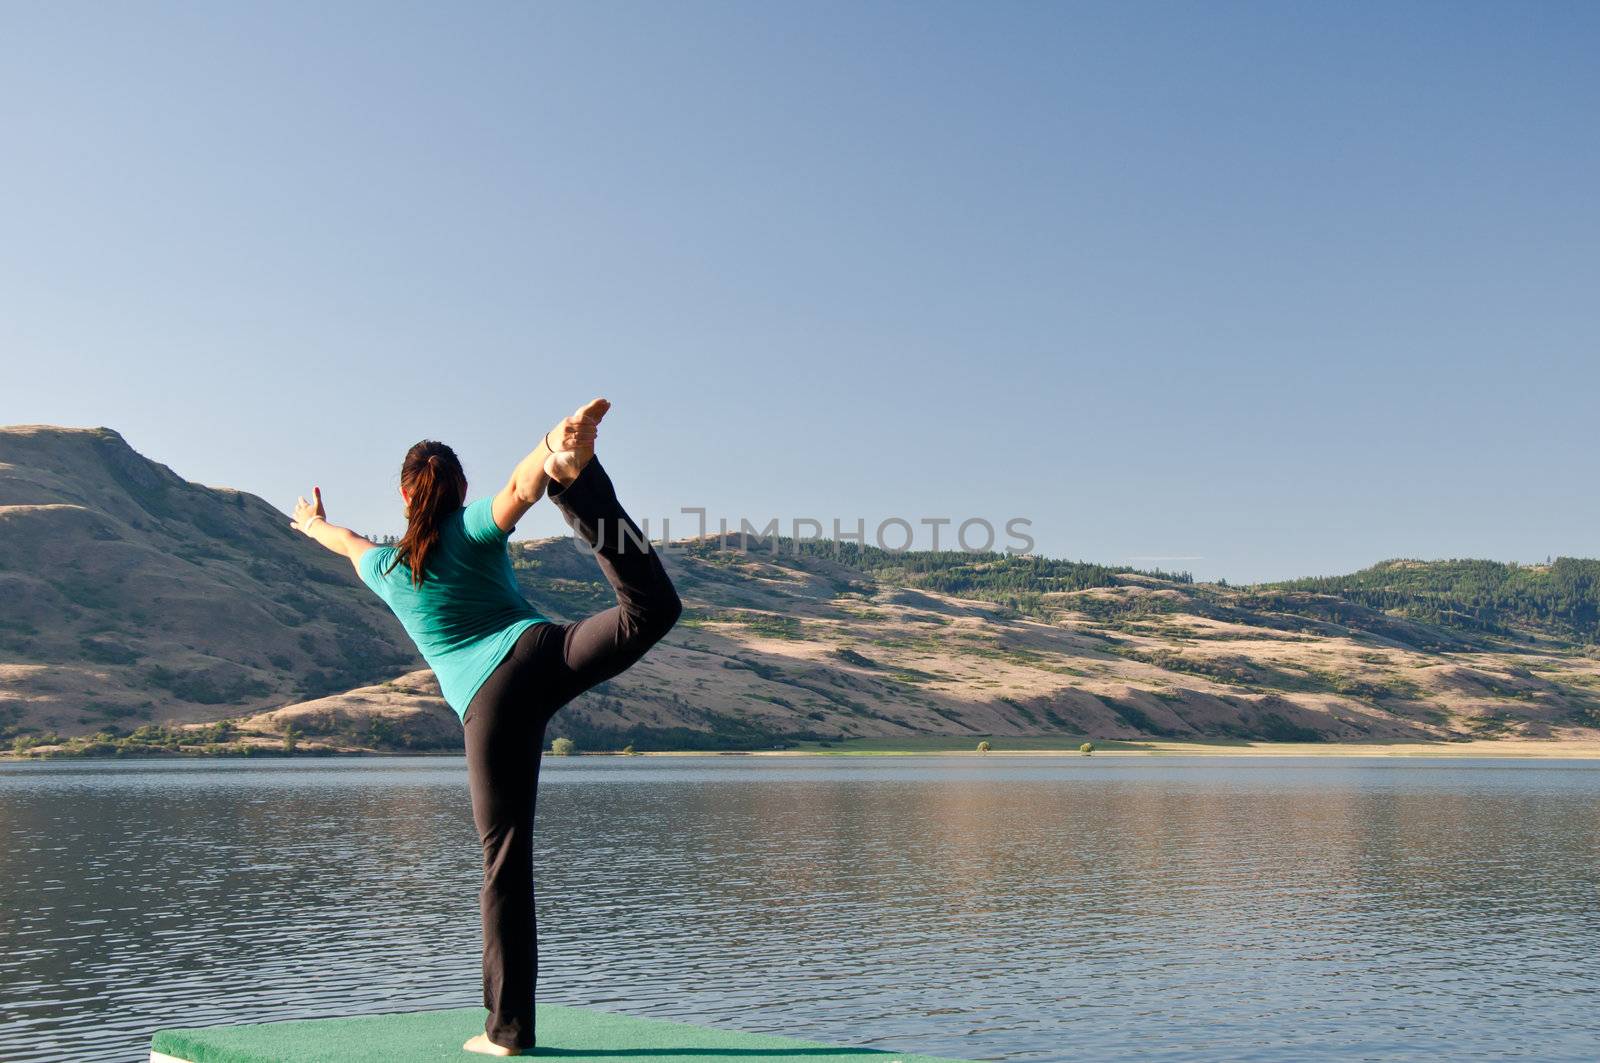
{"x": 503, "y": 667}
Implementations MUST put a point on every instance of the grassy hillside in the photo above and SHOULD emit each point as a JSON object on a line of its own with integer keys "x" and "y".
{"x": 151, "y": 608}
{"x": 132, "y": 594}
{"x": 814, "y": 642}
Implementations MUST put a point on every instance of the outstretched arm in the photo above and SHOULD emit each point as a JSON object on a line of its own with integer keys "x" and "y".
{"x": 309, "y": 517}
{"x": 529, "y": 479}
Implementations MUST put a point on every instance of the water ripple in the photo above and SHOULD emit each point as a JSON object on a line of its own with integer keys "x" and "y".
{"x": 1018, "y": 909}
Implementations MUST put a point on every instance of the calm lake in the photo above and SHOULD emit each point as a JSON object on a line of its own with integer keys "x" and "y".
{"x": 1003, "y": 908}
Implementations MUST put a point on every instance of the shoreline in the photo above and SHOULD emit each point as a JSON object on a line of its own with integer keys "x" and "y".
{"x": 1410, "y": 750}
{"x": 1496, "y": 749}
{"x": 1481, "y": 749}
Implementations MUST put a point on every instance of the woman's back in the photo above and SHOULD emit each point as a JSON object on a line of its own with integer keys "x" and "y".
{"x": 468, "y": 612}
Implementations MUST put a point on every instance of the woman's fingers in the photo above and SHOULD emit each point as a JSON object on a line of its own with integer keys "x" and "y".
{"x": 574, "y": 435}
{"x": 304, "y": 511}
{"x": 579, "y": 430}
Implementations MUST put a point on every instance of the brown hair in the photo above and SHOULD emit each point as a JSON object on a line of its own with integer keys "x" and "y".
{"x": 435, "y": 487}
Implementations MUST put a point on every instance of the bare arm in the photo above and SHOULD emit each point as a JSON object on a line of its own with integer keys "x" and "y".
{"x": 309, "y": 518}
{"x": 529, "y": 480}
{"x": 526, "y": 486}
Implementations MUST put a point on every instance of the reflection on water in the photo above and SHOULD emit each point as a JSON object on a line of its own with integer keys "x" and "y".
{"x": 1004, "y": 908}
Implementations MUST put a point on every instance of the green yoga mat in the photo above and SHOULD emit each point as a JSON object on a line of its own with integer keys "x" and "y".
{"x": 567, "y": 1034}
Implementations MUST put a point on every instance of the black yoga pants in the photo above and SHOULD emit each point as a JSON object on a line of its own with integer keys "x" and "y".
{"x": 505, "y": 725}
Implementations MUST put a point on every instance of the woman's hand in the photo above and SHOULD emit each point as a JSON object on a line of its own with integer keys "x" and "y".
{"x": 311, "y": 518}
{"x": 306, "y": 512}
{"x": 577, "y": 442}
{"x": 578, "y": 431}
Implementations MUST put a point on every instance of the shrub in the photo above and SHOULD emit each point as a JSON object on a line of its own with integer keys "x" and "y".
{"x": 983, "y": 747}
{"x": 562, "y": 747}
{"x": 1086, "y": 748}
{"x": 628, "y": 750}
{"x": 849, "y": 656}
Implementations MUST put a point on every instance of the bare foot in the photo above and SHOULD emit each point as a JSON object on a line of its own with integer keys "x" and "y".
{"x": 574, "y": 437}
{"x": 485, "y": 1047}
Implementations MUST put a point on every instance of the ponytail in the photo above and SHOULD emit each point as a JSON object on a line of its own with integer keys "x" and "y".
{"x": 435, "y": 488}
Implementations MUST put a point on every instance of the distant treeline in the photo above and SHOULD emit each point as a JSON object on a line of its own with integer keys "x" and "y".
{"x": 1016, "y": 581}
{"x": 965, "y": 571}
{"x": 1560, "y": 599}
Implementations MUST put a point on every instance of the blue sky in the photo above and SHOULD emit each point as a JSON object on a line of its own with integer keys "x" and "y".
{"x": 1264, "y": 289}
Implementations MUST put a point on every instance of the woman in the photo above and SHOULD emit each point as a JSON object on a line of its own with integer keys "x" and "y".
{"x": 504, "y": 668}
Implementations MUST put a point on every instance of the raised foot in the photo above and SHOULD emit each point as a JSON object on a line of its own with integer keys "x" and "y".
{"x": 575, "y": 439}
{"x": 564, "y": 467}
{"x": 485, "y": 1047}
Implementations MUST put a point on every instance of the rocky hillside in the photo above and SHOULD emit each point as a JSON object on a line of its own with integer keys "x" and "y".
{"x": 131, "y": 595}
{"x": 144, "y": 610}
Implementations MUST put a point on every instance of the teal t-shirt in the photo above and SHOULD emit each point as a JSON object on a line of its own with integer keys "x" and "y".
{"x": 468, "y": 613}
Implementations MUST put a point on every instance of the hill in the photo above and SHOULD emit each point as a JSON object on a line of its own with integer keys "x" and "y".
{"x": 817, "y": 641}
{"x": 155, "y": 606}
{"x": 133, "y": 595}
